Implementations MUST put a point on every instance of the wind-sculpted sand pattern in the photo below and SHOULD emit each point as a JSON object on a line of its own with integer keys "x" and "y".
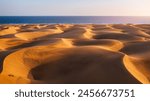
{"x": 80, "y": 54}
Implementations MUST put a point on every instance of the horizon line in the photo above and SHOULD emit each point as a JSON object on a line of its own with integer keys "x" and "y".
{"x": 72, "y": 16}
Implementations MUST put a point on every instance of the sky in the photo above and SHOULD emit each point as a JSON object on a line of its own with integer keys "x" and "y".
{"x": 74, "y": 7}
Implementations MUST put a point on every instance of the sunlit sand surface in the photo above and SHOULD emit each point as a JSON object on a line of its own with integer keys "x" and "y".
{"x": 80, "y": 54}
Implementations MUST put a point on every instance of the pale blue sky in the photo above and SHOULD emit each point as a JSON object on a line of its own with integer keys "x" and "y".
{"x": 75, "y": 7}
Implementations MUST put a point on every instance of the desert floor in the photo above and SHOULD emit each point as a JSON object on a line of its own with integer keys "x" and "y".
{"x": 75, "y": 54}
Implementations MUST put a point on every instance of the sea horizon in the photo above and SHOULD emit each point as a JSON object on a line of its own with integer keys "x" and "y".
{"x": 74, "y": 19}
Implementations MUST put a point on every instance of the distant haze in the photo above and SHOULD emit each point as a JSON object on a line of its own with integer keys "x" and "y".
{"x": 74, "y": 7}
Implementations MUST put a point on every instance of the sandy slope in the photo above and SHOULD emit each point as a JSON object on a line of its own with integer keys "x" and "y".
{"x": 65, "y": 53}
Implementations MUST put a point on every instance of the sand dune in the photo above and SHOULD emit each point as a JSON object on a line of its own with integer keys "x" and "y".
{"x": 66, "y": 53}
{"x": 9, "y": 30}
{"x": 120, "y": 37}
{"x": 138, "y": 67}
{"x": 7, "y": 43}
{"x": 107, "y": 44}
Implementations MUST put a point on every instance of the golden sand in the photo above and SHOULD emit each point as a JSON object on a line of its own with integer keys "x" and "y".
{"x": 66, "y": 53}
